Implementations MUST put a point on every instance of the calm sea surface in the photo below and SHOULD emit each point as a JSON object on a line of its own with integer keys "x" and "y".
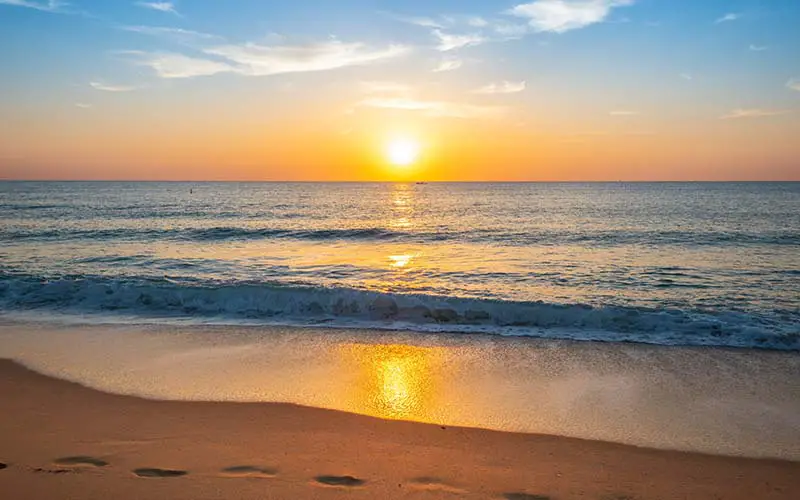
{"x": 664, "y": 263}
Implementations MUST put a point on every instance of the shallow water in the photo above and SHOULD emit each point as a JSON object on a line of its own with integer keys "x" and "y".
{"x": 664, "y": 263}
{"x": 719, "y": 401}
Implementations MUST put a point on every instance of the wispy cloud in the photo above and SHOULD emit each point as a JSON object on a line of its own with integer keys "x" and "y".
{"x": 159, "y": 6}
{"x": 511, "y": 31}
{"x": 457, "y": 31}
{"x": 425, "y": 22}
{"x": 560, "y": 16}
{"x": 731, "y": 16}
{"x": 177, "y": 34}
{"x": 260, "y": 60}
{"x": 83, "y": 105}
{"x": 753, "y": 113}
{"x": 436, "y": 109}
{"x": 687, "y": 76}
{"x": 449, "y": 41}
{"x": 505, "y": 87}
{"x": 758, "y": 48}
{"x": 171, "y": 65}
{"x": 253, "y": 59}
{"x": 793, "y": 84}
{"x": 477, "y": 22}
{"x": 623, "y": 112}
{"x": 448, "y": 65}
{"x": 105, "y": 87}
{"x": 49, "y": 6}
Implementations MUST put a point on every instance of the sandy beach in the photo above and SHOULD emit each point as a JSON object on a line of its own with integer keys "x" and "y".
{"x": 62, "y": 440}
{"x": 518, "y": 250}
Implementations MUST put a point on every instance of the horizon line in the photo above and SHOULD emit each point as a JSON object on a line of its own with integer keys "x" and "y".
{"x": 620, "y": 181}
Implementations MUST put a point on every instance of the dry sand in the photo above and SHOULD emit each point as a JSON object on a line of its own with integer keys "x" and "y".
{"x": 59, "y": 440}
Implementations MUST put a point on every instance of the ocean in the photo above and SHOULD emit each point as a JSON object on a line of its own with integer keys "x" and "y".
{"x": 662, "y": 263}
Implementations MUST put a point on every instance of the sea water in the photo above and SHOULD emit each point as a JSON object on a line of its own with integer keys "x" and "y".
{"x": 715, "y": 264}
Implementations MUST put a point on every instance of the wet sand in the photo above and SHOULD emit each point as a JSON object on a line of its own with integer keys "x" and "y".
{"x": 61, "y": 440}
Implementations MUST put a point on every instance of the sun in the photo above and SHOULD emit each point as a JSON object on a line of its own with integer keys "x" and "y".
{"x": 402, "y": 152}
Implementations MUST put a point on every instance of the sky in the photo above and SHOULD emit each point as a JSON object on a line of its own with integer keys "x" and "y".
{"x": 317, "y": 90}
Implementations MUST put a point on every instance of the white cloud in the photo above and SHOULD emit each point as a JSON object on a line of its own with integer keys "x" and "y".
{"x": 261, "y": 60}
{"x": 622, "y": 112}
{"x": 511, "y": 31}
{"x": 111, "y": 88}
{"x": 687, "y": 76}
{"x": 477, "y": 22}
{"x": 501, "y": 88}
{"x": 448, "y": 65}
{"x": 159, "y": 6}
{"x": 753, "y": 113}
{"x": 436, "y": 109}
{"x": 560, "y": 16}
{"x": 451, "y": 42}
{"x": 252, "y": 59}
{"x": 177, "y": 34}
{"x": 758, "y": 48}
{"x": 82, "y": 105}
{"x": 731, "y": 16}
{"x": 170, "y": 65}
{"x": 49, "y": 6}
{"x": 425, "y": 22}
{"x": 793, "y": 84}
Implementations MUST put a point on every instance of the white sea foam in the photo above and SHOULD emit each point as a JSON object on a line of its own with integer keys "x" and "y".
{"x": 166, "y": 301}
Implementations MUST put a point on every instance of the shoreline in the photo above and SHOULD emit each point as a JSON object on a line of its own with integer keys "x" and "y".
{"x": 71, "y": 320}
{"x": 714, "y": 401}
{"x": 55, "y": 433}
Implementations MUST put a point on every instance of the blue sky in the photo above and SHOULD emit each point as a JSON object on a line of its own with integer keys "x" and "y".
{"x": 650, "y": 63}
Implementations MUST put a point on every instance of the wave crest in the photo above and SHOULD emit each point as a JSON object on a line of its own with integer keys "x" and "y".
{"x": 343, "y": 307}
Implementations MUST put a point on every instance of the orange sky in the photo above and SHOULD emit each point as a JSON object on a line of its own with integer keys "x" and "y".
{"x": 125, "y": 146}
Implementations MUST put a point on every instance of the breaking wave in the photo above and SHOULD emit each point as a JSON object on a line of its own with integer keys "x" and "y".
{"x": 273, "y": 303}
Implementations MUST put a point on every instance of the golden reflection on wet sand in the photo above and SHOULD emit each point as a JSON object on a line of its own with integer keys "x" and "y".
{"x": 393, "y": 381}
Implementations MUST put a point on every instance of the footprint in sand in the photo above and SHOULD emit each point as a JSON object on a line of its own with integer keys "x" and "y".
{"x": 339, "y": 481}
{"x": 159, "y": 472}
{"x": 80, "y": 461}
{"x": 40, "y": 470}
{"x": 435, "y": 484}
{"x": 524, "y": 496}
{"x": 249, "y": 471}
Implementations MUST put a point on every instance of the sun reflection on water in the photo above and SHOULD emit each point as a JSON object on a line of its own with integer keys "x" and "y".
{"x": 393, "y": 381}
{"x": 402, "y": 206}
{"x": 401, "y": 260}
